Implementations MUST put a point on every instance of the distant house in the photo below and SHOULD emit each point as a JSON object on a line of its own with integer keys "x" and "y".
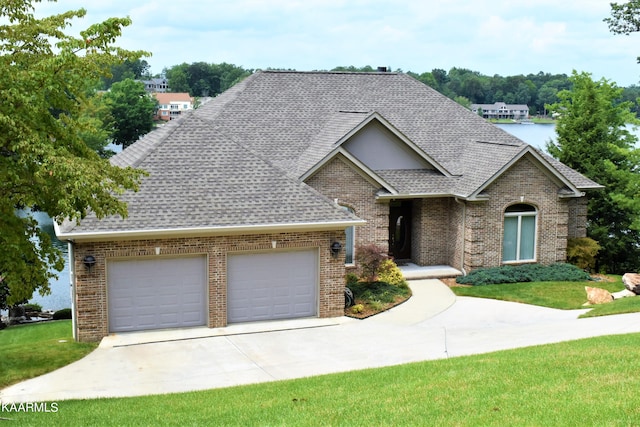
{"x": 157, "y": 85}
{"x": 171, "y": 105}
{"x": 500, "y": 110}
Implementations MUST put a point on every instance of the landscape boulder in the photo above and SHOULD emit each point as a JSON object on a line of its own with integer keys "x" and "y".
{"x": 632, "y": 282}
{"x": 597, "y": 296}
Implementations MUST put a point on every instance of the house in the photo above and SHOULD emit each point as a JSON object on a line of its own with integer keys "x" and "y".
{"x": 500, "y": 110}
{"x": 156, "y": 85}
{"x": 256, "y": 202}
{"x": 172, "y": 104}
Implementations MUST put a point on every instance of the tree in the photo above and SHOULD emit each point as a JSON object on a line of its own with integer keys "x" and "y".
{"x": 44, "y": 163}
{"x": 132, "y": 109}
{"x": 138, "y": 69}
{"x": 625, "y": 18}
{"x": 547, "y": 95}
{"x": 593, "y": 139}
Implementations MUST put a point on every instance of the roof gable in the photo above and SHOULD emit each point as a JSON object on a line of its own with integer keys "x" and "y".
{"x": 376, "y": 145}
{"x": 542, "y": 162}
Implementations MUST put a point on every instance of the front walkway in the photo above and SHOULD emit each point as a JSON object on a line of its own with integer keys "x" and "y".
{"x": 412, "y": 271}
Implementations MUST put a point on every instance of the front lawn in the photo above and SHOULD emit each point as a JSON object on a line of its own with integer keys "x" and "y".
{"x": 585, "y": 382}
{"x": 562, "y": 295}
{"x": 27, "y": 351}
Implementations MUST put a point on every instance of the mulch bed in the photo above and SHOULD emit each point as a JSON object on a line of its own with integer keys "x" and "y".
{"x": 368, "y": 311}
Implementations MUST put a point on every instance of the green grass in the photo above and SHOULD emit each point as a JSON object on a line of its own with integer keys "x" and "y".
{"x": 27, "y": 351}
{"x": 585, "y": 382}
{"x": 562, "y": 295}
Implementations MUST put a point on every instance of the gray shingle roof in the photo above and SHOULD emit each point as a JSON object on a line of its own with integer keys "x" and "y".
{"x": 291, "y": 119}
{"x": 236, "y": 161}
{"x": 200, "y": 178}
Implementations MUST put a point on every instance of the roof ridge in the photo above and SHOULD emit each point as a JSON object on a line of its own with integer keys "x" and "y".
{"x": 212, "y": 110}
{"x": 390, "y": 73}
{"x": 137, "y": 152}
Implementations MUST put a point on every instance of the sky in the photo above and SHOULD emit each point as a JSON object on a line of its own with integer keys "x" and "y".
{"x": 492, "y": 37}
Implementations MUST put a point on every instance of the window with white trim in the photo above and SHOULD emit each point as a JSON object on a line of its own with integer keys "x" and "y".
{"x": 519, "y": 239}
{"x": 350, "y": 243}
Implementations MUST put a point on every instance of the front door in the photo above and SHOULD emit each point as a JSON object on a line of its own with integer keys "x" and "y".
{"x": 400, "y": 229}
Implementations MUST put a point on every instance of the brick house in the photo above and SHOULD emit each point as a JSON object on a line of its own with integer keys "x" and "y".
{"x": 249, "y": 195}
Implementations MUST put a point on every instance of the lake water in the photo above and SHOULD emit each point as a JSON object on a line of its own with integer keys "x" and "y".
{"x": 537, "y": 134}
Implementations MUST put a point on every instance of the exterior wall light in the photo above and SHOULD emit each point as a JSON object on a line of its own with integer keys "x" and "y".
{"x": 89, "y": 261}
{"x": 336, "y": 247}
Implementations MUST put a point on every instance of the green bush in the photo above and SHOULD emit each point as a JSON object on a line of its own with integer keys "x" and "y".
{"x": 32, "y": 307}
{"x": 65, "y": 313}
{"x": 524, "y": 273}
{"x": 377, "y": 291}
{"x": 351, "y": 279}
{"x": 582, "y": 252}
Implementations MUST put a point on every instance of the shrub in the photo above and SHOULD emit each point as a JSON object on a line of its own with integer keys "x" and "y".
{"x": 65, "y": 313}
{"x": 524, "y": 273}
{"x": 369, "y": 257}
{"x": 376, "y": 305}
{"x": 351, "y": 279}
{"x": 582, "y": 252}
{"x": 389, "y": 272}
{"x": 381, "y": 291}
{"x": 32, "y": 307}
{"x": 357, "y": 308}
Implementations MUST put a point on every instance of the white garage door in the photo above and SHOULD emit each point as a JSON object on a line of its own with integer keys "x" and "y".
{"x": 273, "y": 285}
{"x": 156, "y": 293}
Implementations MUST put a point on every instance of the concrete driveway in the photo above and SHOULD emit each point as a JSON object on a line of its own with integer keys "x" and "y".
{"x": 433, "y": 324}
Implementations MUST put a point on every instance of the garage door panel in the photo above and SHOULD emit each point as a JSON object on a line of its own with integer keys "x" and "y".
{"x": 274, "y": 285}
{"x": 156, "y": 293}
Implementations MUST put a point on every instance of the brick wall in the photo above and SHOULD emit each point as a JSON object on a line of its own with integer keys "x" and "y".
{"x": 432, "y": 242}
{"x": 337, "y": 180}
{"x": 446, "y": 231}
{"x": 577, "y": 225}
{"x": 524, "y": 182}
{"x": 91, "y": 285}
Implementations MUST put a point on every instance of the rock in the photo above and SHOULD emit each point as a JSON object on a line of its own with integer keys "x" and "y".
{"x": 632, "y": 282}
{"x": 597, "y": 295}
{"x": 17, "y": 315}
{"x": 622, "y": 294}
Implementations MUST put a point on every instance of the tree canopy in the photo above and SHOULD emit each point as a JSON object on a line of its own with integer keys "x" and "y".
{"x": 44, "y": 162}
{"x": 132, "y": 110}
{"x": 594, "y": 139}
{"x": 203, "y": 79}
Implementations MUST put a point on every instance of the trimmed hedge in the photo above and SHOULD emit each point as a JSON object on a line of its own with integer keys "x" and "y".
{"x": 65, "y": 313}
{"x": 524, "y": 273}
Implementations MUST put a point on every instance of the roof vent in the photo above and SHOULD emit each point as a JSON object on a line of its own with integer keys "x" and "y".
{"x": 382, "y": 69}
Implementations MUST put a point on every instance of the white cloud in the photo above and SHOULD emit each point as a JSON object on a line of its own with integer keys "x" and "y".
{"x": 491, "y": 37}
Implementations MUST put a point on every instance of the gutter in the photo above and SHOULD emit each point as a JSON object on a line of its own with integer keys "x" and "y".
{"x": 205, "y": 231}
{"x": 464, "y": 228}
{"x": 72, "y": 289}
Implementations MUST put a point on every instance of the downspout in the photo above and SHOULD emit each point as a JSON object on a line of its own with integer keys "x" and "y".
{"x": 72, "y": 289}
{"x": 464, "y": 231}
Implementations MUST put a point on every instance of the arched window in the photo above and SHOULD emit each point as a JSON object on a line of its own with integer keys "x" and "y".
{"x": 350, "y": 243}
{"x": 519, "y": 240}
